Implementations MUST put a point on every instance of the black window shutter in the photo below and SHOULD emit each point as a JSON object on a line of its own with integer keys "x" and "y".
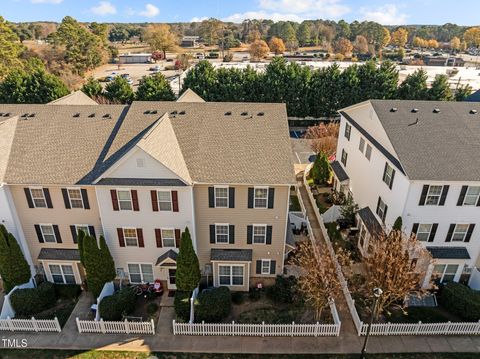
{"x": 271, "y": 197}
{"x": 391, "y": 181}
{"x": 469, "y": 232}
{"x": 444, "y": 195}
{"x": 86, "y": 204}
{"x": 211, "y": 197}
{"x": 478, "y": 201}
{"x": 212, "y": 233}
{"x": 423, "y": 197}
{"x": 450, "y": 233}
{"x": 259, "y": 267}
{"x": 29, "y": 197}
{"x": 269, "y": 235}
{"x": 378, "y": 205}
{"x": 91, "y": 229}
{"x": 433, "y": 232}
{"x": 385, "y": 213}
{"x": 461, "y": 198}
{"x": 231, "y": 197}
{"x": 385, "y": 172}
{"x": 57, "y": 234}
{"x": 231, "y": 234}
{"x": 66, "y": 200}
{"x": 250, "y": 197}
{"x": 73, "y": 230}
{"x": 415, "y": 228}
{"x": 273, "y": 267}
{"x": 48, "y": 199}
{"x": 249, "y": 234}
{"x": 39, "y": 233}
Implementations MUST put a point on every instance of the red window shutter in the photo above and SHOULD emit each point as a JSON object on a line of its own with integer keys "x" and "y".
{"x": 121, "y": 240}
{"x": 175, "y": 201}
{"x": 153, "y": 194}
{"x": 158, "y": 237}
{"x": 177, "y": 238}
{"x": 113, "y": 193}
{"x": 140, "y": 238}
{"x": 135, "y": 200}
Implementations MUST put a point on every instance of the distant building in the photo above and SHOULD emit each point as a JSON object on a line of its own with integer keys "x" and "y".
{"x": 190, "y": 41}
{"x": 443, "y": 61}
{"x": 134, "y": 58}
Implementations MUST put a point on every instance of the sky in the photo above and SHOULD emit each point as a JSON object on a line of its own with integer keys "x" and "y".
{"x": 462, "y": 12}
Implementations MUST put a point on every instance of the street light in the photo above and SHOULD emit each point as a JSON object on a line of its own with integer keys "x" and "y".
{"x": 377, "y": 292}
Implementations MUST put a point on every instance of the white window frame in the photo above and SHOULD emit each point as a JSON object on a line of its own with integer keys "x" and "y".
{"x": 173, "y": 238}
{"x": 124, "y": 200}
{"x": 475, "y": 197}
{"x": 433, "y": 195}
{"x": 77, "y": 226}
{"x": 441, "y": 278}
{"x": 255, "y": 197}
{"x": 361, "y": 145}
{"x": 125, "y": 237}
{"x": 218, "y": 197}
{"x": 217, "y": 234}
{"x": 160, "y": 202}
{"x": 62, "y": 272}
{"x": 269, "y": 261}
{"x": 70, "y": 198}
{"x": 348, "y": 130}
{"x": 368, "y": 152}
{"x": 464, "y": 233}
{"x": 381, "y": 209}
{"x": 52, "y": 234}
{"x": 388, "y": 177}
{"x": 344, "y": 163}
{"x": 38, "y": 198}
{"x": 419, "y": 232}
{"x": 141, "y": 273}
{"x": 231, "y": 274}
{"x": 264, "y": 226}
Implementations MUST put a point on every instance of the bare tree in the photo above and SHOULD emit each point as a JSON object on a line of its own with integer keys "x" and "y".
{"x": 324, "y": 137}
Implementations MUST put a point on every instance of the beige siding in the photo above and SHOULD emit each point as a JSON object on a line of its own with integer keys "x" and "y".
{"x": 241, "y": 216}
{"x": 58, "y": 215}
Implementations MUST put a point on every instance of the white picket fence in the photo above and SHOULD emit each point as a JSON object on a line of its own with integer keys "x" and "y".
{"x": 30, "y": 325}
{"x": 113, "y": 327}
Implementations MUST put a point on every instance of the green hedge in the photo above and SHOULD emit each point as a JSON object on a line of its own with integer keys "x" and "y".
{"x": 214, "y": 305}
{"x": 284, "y": 290}
{"x": 462, "y": 301}
{"x": 182, "y": 305}
{"x": 121, "y": 303}
{"x": 30, "y": 301}
{"x": 67, "y": 291}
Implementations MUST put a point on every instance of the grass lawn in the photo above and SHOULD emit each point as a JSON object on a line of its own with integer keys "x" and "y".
{"x": 64, "y": 354}
{"x": 294, "y": 203}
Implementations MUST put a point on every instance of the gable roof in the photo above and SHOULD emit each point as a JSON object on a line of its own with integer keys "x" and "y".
{"x": 75, "y": 98}
{"x": 438, "y": 141}
{"x": 190, "y": 96}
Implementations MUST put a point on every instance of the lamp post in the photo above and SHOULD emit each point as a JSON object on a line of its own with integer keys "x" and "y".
{"x": 377, "y": 292}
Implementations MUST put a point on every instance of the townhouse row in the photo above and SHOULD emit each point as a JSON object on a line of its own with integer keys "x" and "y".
{"x": 139, "y": 175}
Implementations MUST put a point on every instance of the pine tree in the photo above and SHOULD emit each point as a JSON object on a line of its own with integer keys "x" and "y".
{"x": 397, "y": 225}
{"x": 188, "y": 268}
{"x": 321, "y": 169}
{"x": 92, "y": 87}
{"x": 98, "y": 264}
{"x": 154, "y": 88}
{"x": 414, "y": 87}
{"x": 440, "y": 90}
{"x": 14, "y": 268}
{"x": 119, "y": 90}
{"x": 80, "y": 241}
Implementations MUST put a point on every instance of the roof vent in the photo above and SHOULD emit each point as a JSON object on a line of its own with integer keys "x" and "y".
{"x": 7, "y": 114}
{"x": 1, "y": 114}
{"x": 473, "y": 112}
{"x": 260, "y": 114}
{"x": 393, "y": 109}
{"x": 436, "y": 110}
{"x": 182, "y": 113}
{"x": 91, "y": 115}
{"x": 24, "y": 115}
{"x": 414, "y": 110}
{"x": 228, "y": 113}
{"x": 76, "y": 115}
{"x": 147, "y": 112}
{"x": 107, "y": 116}
{"x": 153, "y": 112}
{"x": 173, "y": 113}
{"x": 31, "y": 115}
{"x": 244, "y": 114}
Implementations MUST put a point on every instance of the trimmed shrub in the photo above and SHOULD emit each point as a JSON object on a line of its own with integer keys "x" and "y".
{"x": 254, "y": 294}
{"x": 30, "y": 301}
{"x": 152, "y": 308}
{"x": 284, "y": 290}
{"x": 238, "y": 298}
{"x": 67, "y": 291}
{"x": 462, "y": 301}
{"x": 182, "y": 305}
{"x": 214, "y": 305}
{"x": 121, "y": 303}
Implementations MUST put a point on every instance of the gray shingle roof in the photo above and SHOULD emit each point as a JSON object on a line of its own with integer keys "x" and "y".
{"x": 339, "y": 171}
{"x": 170, "y": 254}
{"x": 449, "y": 252}
{"x": 240, "y": 255}
{"x": 59, "y": 254}
{"x": 157, "y": 182}
{"x": 370, "y": 221}
{"x": 433, "y": 145}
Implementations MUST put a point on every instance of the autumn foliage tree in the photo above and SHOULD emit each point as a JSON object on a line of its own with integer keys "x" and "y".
{"x": 472, "y": 36}
{"x": 360, "y": 44}
{"x": 399, "y": 37}
{"x": 323, "y": 137}
{"x": 276, "y": 45}
{"x": 344, "y": 46}
{"x": 160, "y": 38}
{"x": 258, "y": 49}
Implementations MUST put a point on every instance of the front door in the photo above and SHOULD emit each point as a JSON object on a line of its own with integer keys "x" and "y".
{"x": 172, "y": 279}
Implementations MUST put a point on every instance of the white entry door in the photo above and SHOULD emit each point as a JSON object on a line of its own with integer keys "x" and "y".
{"x": 172, "y": 277}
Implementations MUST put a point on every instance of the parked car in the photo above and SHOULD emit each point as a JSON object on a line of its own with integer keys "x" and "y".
{"x": 154, "y": 68}
{"x": 109, "y": 78}
{"x": 200, "y": 56}
{"x": 125, "y": 76}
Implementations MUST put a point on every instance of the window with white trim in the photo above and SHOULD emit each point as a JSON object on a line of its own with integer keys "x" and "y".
{"x": 361, "y": 145}
{"x": 130, "y": 236}
{"x": 125, "y": 200}
{"x": 221, "y": 233}
{"x": 221, "y": 197}
{"x": 368, "y": 152}
{"x": 168, "y": 237}
{"x": 38, "y": 197}
{"x": 423, "y": 231}
{"x": 433, "y": 195}
{"x": 445, "y": 272}
{"x": 164, "y": 200}
{"x": 260, "y": 197}
{"x": 75, "y": 197}
{"x": 382, "y": 209}
{"x": 343, "y": 159}
{"x": 82, "y": 227}
{"x": 48, "y": 233}
{"x": 388, "y": 175}
{"x": 231, "y": 275}
{"x": 140, "y": 273}
{"x": 259, "y": 234}
{"x": 460, "y": 232}
{"x": 62, "y": 274}
{"x": 471, "y": 196}
{"x": 266, "y": 266}
{"x": 348, "y": 131}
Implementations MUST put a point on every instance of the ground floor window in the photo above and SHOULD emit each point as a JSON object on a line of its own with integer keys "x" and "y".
{"x": 62, "y": 274}
{"x": 172, "y": 274}
{"x": 140, "y": 273}
{"x": 230, "y": 275}
{"x": 266, "y": 266}
{"x": 445, "y": 272}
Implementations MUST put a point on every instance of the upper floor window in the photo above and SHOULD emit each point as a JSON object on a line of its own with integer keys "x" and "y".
{"x": 221, "y": 233}
{"x": 221, "y": 197}
{"x": 38, "y": 197}
{"x": 381, "y": 209}
{"x": 423, "y": 231}
{"x": 433, "y": 195}
{"x": 75, "y": 197}
{"x": 261, "y": 197}
{"x": 344, "y": 157}
{"x": 131, "y": 238}
{"x": 125, "y": 200}
{"x": 388, "y": 175}
{"x": 168, "y": 237}
{"x": 460, "y": 232}
{"x": 82, "y": 227}
{"x": 361, "y": 145}
{"x": 164, "y": 200}
{"x": 259, "y": 234}
{"x": 368, "y": 152}
{"x": 348, "y": 131}
{"x": 471, "y": 196}
{"x": 48, "y": 233}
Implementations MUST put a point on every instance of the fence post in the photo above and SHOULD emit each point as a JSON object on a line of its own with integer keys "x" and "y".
{"x": 35, "y": 325}
{"x": 153, "y": 326}
{"x": 174, "y": 327}
{"x": 102, "y": 326}
{"x": 478, "y": 328}
{"x": 361, "y": 329}
{"x": 78, "y": 325}
{"x": 57, "y": 324}
{"x": 127, "y": 326}
{"x": 203, "y": 327}
{"x": 293, "y": 326}
{"x": 233, "y": 328}
{"x": 263, "y": 329}
{"x": 10, "y": 324}
{"x": 316, "y": 329}
{"x": 447, "y": 327}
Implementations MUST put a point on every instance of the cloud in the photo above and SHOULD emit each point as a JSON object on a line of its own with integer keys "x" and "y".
{"x": 198, "y": 19}
{"x": 387, "y": 14}
{"x": 46, "y": 1}
{"x": 293, "y": 10}
{"x": 104, "y": 8}
{"x": 150, "y": 11}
